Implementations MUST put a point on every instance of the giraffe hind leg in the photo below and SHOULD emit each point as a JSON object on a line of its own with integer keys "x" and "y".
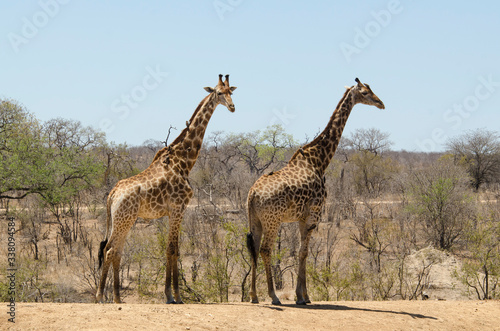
{"x": 253, "y": 243}
{"x": 104, "y": 275}
{"x": 111, "y": 255}
{"x": 266, "y": 258}
{"x": 111, "y": 258}
{"x": 265, "y": 252}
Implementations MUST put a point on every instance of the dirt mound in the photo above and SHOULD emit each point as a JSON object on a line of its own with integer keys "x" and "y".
{"x": 439, "y": 282}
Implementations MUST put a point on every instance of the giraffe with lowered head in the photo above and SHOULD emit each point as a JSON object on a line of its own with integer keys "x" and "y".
{"x": 297, "y": 193}
{"x": 161, "y": 190}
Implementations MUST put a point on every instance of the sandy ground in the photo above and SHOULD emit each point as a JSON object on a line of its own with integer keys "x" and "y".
{"x": 386, "y": 315}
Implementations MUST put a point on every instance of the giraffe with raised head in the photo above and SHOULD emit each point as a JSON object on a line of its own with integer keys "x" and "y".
{"x": 161, "y": 190}
{"x": 296, "y": 193}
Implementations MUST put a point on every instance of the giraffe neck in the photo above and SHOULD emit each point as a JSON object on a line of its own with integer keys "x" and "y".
{"x": 183, "y": 151}
{"x": 320, "y": 151}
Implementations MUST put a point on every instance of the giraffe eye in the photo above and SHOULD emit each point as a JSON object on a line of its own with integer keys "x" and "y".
{"x": 219, "y": 93}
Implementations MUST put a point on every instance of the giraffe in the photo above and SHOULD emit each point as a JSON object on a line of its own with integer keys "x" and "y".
{"x": 161, "y": 190}
{"x": 296, "y": 193}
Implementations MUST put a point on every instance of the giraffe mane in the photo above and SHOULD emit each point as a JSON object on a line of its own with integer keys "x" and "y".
{"x": 183, "y": 133}
{"x": 316, "y": 140}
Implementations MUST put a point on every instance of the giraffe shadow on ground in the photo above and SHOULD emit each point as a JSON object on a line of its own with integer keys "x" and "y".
{"x": 347, "y": 308}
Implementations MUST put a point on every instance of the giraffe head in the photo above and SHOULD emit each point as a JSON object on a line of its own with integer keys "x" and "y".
{"x": 223, "y": 93}
{"x": 364, "y": 94}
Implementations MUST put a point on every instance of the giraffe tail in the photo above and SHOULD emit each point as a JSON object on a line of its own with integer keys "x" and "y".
{"x": 251, "y": 244}
{"x": 251, "y": 247}
{"x": 101, "y": 251}
{"x": 102, "y": 246}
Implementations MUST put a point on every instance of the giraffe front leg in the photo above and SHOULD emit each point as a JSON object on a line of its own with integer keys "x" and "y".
{"x": 301, "y": 289}
{"x": 175, "y": 278}
{"x": 168, "y": 279}
{"x": 172, "y": 271}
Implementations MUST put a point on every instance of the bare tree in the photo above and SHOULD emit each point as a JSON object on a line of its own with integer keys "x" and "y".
{"x": 372, "y": 233}
{"x": 366, "y": 149}
{"x": 438, "y": 198}
{"x": 261, "y": 150}
{"x": 371, "y": 140}
{"x": 480, "y": 151}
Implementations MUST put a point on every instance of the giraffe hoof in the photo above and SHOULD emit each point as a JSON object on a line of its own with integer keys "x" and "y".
{"x": 171, "y": 302}
{"x": 255, "y": 301}
{"x": 276, "y": 302}
{"x": 301, "y": 302}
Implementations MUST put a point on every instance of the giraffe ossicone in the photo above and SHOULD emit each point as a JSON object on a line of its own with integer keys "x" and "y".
{"x": 296, "y": 193}
{"x": 160, "y": 190}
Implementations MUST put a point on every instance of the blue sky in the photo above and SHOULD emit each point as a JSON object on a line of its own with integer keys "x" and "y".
{"x": 135, "y": 68}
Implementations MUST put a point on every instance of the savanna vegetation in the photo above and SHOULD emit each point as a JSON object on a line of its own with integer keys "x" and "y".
{"x": 384, "y": 210}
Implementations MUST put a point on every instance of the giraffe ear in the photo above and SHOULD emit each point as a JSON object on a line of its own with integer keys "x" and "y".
{"x": 209, "y": 89}
{"x": 232, "y": 88}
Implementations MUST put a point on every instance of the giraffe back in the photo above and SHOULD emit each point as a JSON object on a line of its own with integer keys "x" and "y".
{"x": 287, "y": 194}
